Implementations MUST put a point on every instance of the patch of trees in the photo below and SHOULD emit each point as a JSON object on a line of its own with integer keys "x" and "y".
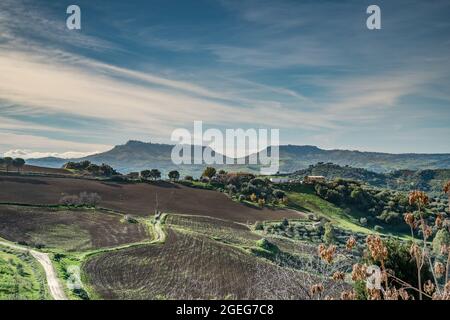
{"x": 245, "y": 186}
{"x": 103, "y": 170}
{"x": 8, "y": 163}
{"x": 153, "y": 174}
{"x": 380, "y": 205}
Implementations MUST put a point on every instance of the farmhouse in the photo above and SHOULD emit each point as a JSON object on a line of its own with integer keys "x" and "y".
{"x": 313, "y": 179}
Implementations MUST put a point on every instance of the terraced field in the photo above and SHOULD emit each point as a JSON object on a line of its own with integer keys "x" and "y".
{"x": 71, "y": 230}
{"x": 137, "y": 199}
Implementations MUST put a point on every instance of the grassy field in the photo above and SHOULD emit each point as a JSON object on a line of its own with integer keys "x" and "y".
{"x": 68, "y": 230}
{"x": 304, "y": 199}
{"x": 21, "y": 276}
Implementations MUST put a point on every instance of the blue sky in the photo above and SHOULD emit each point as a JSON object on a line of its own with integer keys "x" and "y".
{"x": 140, "y": 69}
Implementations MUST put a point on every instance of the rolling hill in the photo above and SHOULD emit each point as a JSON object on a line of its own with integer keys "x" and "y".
{"x": 136, "y": 156}
{"x": 429, "y": 180}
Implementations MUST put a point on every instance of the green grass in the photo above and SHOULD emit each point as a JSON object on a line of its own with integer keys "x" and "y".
{"x": 312, "y": 203}
{"x": 21, "y": 276}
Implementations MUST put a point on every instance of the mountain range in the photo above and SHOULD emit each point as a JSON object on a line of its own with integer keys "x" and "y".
{"x": 137, "y": 155}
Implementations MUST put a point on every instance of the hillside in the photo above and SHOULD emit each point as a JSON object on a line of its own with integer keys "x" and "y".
{"x": 136, "y": 156}
{"x": 430, "y": 180}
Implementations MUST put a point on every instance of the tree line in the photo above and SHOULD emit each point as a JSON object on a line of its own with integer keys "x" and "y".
{"x": 7, "y": 163}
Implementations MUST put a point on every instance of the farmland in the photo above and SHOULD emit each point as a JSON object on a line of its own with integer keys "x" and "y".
{"x": 135, "y": 198}
{"x": 70, "y": 230}
{"x": 205, "y": 244}
{"x": 186, "y": 266}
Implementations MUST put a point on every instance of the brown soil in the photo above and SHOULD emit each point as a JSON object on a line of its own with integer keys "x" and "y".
{"x": 137, "y": 199}
{"x": 69, "y": 229}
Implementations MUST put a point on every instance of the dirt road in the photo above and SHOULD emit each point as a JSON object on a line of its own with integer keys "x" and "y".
{"x": 55, "y": 287}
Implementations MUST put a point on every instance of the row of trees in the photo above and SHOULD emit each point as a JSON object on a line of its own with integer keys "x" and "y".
{"x": 103, "y": 170}
{"x": 8, "y": 162}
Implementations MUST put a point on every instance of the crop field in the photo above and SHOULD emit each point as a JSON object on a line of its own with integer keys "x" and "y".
{"x": 217, "y": 229}
{"x": 186, "y": 266}
{"x": 21, "y": 277}
{"x": 137, "y": 198}
{"x": 71, "y": 230}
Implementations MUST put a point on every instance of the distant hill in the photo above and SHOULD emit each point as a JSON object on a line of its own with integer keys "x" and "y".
{"x": 430, "y": 180}
{"x": 137, "y": 155}
{"x": 294, "y": 158}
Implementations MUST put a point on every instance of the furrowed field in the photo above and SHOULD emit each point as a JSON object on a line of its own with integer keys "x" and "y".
{"x": 71, "y": 230}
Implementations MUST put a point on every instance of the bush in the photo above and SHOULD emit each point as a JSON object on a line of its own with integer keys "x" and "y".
{"x": 259, "y": 225}
{"x": 442, "y": 237}
{"x": 267, "y": 245}
{"x": 328, "y": 236}
{"x": 363, "y": 221}
{"x": 84, "y": 199}
{"x": 261, "y": 202}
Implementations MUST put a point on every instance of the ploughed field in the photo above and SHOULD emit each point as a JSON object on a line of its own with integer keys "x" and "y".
{"x": 202, "y": 258}
{"x": 186, "y": 266}
{"x": 71, "y": 230}
{"x": 135, "y": 198}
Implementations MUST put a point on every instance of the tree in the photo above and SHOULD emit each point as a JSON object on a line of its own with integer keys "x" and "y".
{"x": 2, "y": 162}
{"x": 8, "y": 162}
{"x": 18, "y": 163}
{"x": 174, "y": 175}
{"x": 442, "y": 237}
{"x": 106, "y": 170}
{"x": 209, "y": 172}
{"x": 155, "y": 174}
{"x": 145, "y": 174}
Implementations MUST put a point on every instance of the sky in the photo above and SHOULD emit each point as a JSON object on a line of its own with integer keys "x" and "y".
{"x": 140, "y": 69}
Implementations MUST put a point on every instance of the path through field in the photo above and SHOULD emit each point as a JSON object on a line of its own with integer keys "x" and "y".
{"x": 55, "y": 287}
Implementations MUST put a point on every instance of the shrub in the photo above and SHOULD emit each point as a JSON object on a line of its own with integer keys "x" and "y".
{"x": 267, "y": 245}
{"x": 261, "y": 202}
{"x": 363, "y": 221}
{"x": 442, "y": 237}
{"x": 259, "y": 225}
{"x": 328, "y": 236}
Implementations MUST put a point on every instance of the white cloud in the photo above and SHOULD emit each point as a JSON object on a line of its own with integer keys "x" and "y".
{"x": 29, "y": 154}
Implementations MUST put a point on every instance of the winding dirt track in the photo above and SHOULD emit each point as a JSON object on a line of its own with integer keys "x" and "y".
{"x": 136, "y": 198}
{"x": 55, "y": 287}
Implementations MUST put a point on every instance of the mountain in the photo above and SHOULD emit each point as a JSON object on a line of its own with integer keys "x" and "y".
{"x": 430, "y": 180}
{"x": 137, "y": 155}
{"x": 300, "y": 157}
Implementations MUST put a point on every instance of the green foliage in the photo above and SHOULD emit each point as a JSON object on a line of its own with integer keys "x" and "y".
{"x": 441, "y": 237}
{"x": 103, "y": 170}
{"x": 400, "y": 262}
{"x": 328, "y": 236}
{"x": 209, "y": 172}
{"x": 174, "y": 175}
